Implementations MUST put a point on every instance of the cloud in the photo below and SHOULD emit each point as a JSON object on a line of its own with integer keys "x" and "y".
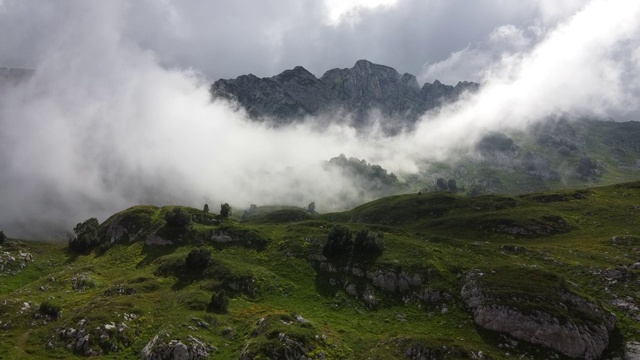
{"x": 118, "y": 111}
{"x": 582, "y": 67}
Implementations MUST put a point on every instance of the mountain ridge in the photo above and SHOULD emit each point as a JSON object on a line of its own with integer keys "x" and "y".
{"x": 296, "y": 93}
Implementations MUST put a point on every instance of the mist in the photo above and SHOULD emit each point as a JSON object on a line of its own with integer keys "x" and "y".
{"x": 105, "y": 122}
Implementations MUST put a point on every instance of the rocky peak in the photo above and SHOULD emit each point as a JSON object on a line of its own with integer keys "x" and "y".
{"x": 366, "y": 86}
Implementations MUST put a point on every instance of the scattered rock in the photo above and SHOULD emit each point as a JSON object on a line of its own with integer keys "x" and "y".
{"x": 625, "y": 240}
{"x": 517, "y": 249}
{"x": 12, "y": 264}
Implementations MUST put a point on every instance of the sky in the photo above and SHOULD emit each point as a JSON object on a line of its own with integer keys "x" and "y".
{"x": 118, "y": 113}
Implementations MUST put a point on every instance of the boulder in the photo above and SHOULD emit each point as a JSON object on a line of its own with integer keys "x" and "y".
{"x": 582, "y": 334}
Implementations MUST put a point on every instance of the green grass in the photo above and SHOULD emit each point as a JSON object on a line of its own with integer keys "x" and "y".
{"x": 265, "y": 264}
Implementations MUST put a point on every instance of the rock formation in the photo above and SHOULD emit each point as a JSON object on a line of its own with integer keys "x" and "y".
{"x": 585, "y": 335}
{"x": 366, "y": 86}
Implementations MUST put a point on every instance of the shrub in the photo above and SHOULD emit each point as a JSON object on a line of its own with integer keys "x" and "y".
{"x": 368, "y": 244}
{"x": 86, "y": 236}
{"x": 219, "y": 302}
{"x": 451, "y": 184}
{"x": 206, "y": 208}
{"x": 225, "y": 210}
{"x": 198, "y": 259}
{"x": 49, "y": 309}
{"x": 177, "y": 218}
{"x": 339, "y": 243}
{"x": 3, "y": 238}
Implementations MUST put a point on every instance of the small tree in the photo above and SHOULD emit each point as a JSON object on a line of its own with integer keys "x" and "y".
{"x": 312, "y": 207}
{"x": 451, "y": 184}
{"x": 3, "y": 238}
{"x": 206, "y": 208}
{"x": 225, "y": 210}
{"x": 177, "y": 218}
{"x": 219, "y": 302}
{"x": 86, "y": 236}
{"x": 441, "y": 185}
{"x": 49, "y": 309}
{"x": 368, "y": 244}
{"x": 339, "y": 243}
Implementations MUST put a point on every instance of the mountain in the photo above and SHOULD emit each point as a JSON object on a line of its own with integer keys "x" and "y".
{"x": 296, "y": 93}
{"x": 555, "y": 154}
{"x": 550, "y": 275}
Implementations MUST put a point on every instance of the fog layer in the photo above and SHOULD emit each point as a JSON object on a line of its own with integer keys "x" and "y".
{"x": 104, "y": 123}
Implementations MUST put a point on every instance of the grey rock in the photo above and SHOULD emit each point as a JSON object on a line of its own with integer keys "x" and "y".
{"x": 585, "y": 339}
{"x": 632, "y": 351}
{"x": 180, "y": 352}
{"x": 160, "y": 348}
{"x": 297, "y": 93}
{"x": 154, "y": 239}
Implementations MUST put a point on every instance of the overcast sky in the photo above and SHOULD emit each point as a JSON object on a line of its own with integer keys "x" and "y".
{"x": 118, "y": 112}
{"x": 226, "y": 39}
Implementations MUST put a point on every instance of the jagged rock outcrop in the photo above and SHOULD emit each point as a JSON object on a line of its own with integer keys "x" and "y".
{"x": 366, "y": 86}
{"x": 584, "y": 335}
{"x": 369, "y": 285}
{"x": 163, "y": 348}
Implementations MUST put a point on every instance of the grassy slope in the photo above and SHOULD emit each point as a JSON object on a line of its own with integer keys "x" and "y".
{"x": 442, "y": 235}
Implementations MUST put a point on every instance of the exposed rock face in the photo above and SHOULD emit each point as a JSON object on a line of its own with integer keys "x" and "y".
{"x": 190, "y": 349}
{"x": 584, "y": 338}
{"x": 632, "y": 351}
{"x": 296, "y": 93}
{"x": 369, "y": 284}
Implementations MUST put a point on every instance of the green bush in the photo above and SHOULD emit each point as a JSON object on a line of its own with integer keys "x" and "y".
{"x": 49, "y": 309}
{"x": 86, "y": 236}
{"x": 198, "y": 259}
{"x": 219, "y": 302}
{"x": 225, "y": 210}
{"x": 177, "y": 218}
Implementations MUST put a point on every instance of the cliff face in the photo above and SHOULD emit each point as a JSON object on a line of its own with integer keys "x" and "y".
{"x": 365, "y": 87}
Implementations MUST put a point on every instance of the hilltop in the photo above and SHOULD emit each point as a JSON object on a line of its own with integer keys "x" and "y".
{"x": 414, "y": 276}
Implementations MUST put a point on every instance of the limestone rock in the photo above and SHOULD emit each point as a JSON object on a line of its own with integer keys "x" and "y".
{"x": 583, "y": 338}
{"x": 161, "y": 347}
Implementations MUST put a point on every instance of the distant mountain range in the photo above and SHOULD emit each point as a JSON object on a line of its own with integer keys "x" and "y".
{"x": 357, "y": 91}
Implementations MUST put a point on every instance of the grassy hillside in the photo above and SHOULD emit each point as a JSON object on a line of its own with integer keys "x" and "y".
{"x": 144, "y": 280}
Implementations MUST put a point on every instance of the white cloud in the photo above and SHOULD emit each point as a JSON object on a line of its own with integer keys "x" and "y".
{"x": 109, "y": 120}
{"x": 347, "y": 10}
